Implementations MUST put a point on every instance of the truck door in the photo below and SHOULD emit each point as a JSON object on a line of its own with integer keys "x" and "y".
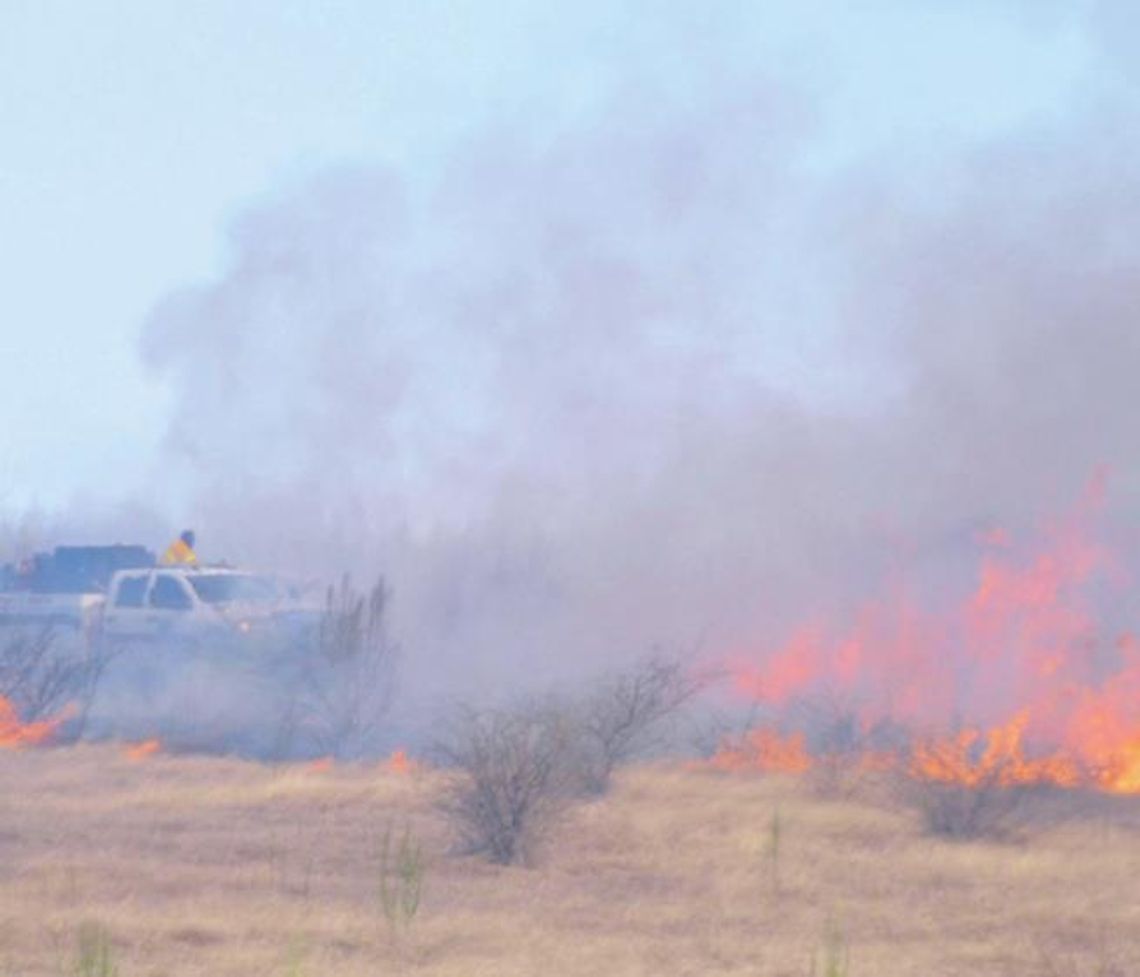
{"x": 125, "y": 615}
{"x": 171, "y": 607}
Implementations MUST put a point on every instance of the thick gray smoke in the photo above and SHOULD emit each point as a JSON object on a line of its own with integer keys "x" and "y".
{"x": 662, "y": 381}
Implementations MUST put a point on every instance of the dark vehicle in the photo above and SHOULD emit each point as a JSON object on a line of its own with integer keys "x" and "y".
{"x": 65, "y": 587}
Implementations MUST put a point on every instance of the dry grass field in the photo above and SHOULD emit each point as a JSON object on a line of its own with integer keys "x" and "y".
{"x": 204, "y": 866}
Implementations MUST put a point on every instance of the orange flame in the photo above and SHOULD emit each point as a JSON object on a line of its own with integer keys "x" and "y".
{"x": 971, "y": 759}
{"x": 400, "y": 763}
{"x": 764, "y": 751}
{"x": 141, "y": 751}
{"x": 15, "y": 734}
{"x": 1025, "y": 642}
{"x": 1121, "y": 773}
{"x": 321, "y": 764}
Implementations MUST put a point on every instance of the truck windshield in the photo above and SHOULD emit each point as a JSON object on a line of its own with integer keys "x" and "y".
{"x": 222, "y": 587}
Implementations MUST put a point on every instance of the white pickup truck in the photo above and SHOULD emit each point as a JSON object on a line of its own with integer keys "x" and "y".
{"x": 194, "y": 606}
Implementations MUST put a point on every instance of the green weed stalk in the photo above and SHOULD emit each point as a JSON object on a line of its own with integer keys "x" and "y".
{"x": 401, "y": 878}
{"x": 834, "y": 954}
{"x": 95, "y": 956}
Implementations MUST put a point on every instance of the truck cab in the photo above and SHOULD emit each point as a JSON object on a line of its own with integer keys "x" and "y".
{"x": 192, "y": 605}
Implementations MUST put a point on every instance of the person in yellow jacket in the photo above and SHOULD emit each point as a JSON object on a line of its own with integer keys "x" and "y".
{"x": 181, "y": 551}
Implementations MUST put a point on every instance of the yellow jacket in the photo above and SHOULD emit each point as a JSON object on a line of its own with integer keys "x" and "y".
{"x": 178, "y": 553}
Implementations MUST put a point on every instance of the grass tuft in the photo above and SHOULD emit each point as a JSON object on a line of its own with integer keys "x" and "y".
{"x": 833, "y": 957}
{"x": 401, "y": 878}
{"x": 95, "y": 956}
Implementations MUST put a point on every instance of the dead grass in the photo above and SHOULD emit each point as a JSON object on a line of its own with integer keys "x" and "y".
{"x": 214, "y": 867}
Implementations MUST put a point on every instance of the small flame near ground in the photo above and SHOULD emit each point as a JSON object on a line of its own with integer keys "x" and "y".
{"x": 15, "y": 734}
{"x": 143, "y": 750}
{"x": 400, "y": 763}
{"x": 763, "y": 750}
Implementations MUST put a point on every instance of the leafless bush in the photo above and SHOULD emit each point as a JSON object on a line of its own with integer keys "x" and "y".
{"x": 847, "y": 753}
{"x": 715, "y": 727}
{"x": 967, "y": 786}
{"x": 627, "y": 712}
{"x": 512, "y": 779}
{"x": 986, "y": 809}
{"x": 518, "y": 768}
{"x": 346, "y": 679}
{"x": 42, "y": 675}
{"x": 34, "y": 677}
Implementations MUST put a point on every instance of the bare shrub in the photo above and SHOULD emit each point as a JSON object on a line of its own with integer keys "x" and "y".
{"x": 959, "y": 797}
{"x": 847, "y": 753}
{"x": 346, "y": 679}
{"x": 987, "y": 809}
{"x": 970, "y": 786}
{"x": 519, "y": 768}
{"x": 34, "y": 677}
{"x": 513, "y": 779}
{"x": 627, "y": 712}
{"x": 715, "y": 727}
{"x": 42, "y": 675}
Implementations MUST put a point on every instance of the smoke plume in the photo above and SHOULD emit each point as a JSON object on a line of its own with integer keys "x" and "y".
{"x": 663, "y": 380}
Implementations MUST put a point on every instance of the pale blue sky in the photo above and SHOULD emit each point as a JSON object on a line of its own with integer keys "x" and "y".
{"x": 132, "y": 133}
